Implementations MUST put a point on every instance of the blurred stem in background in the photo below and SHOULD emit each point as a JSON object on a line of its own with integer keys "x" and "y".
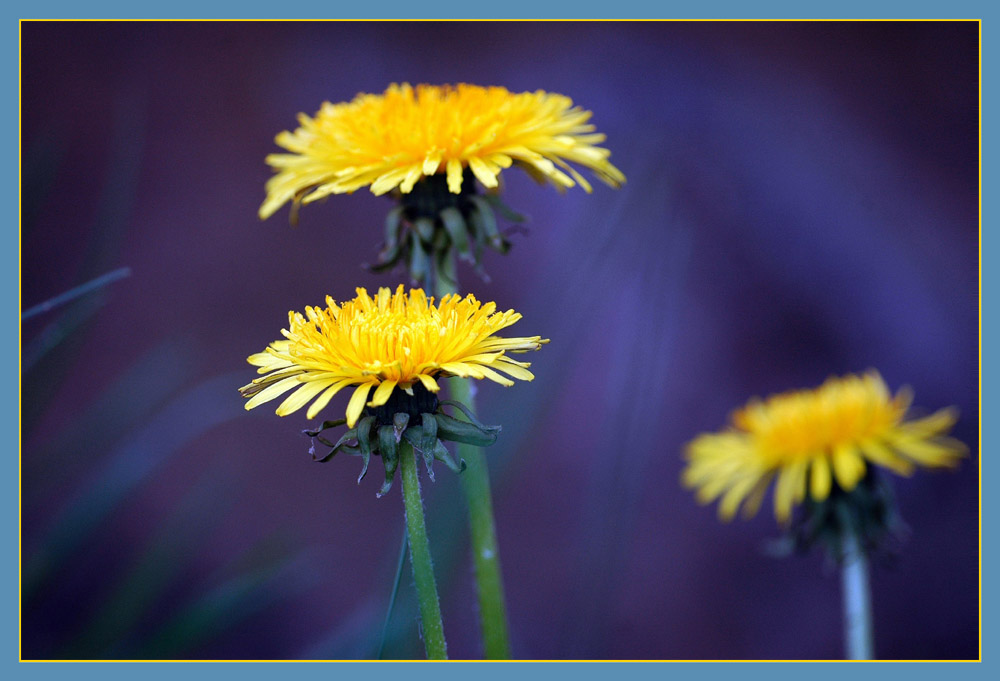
{"x": 857, "y": 596}
{"x": 479, "y": 499}
{"x": 76, "y": 292}
{"x": 400, "y": 562}
{"x": 420, "y": 556}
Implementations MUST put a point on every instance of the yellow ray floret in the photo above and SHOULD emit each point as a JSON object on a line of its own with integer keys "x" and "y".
{"x": 809, "y": 440}
{"x": 392, "y": 140}
{"x": 385, "y": 343}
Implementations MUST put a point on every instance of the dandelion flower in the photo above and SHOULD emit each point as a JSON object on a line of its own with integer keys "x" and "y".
{"x": 390, "y": 141}
{"x": 388, "y": 343}
{"x": 814, "y": 441}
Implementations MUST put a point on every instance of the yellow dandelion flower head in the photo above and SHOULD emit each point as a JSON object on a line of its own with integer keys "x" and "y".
{"x": 381, "y": 344}
{"x": 809, "y": 440}
{"x": 392, "y": 140}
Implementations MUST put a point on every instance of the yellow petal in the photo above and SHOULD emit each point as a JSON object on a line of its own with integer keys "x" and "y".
{"x": 429, "y": 382}
{"x": 791, "y": 485}
{"x": 300, "y": 397}
{"x": 820, "y": 478}
{"x": 514, "y": 369}
{"x": 414, "y": 174}
{"x": 482, "y": 172}
{"x": 756, "y": 497}
{"x": 783, "y": 496}
{"x": 454, "y": 176}
{"x": 383, "y": 341}
{"x": 325, "y": 398}
{"x": 937, "y": 423}
{"x": 272, "y": 391}
{"x": 432, "y": 162}
{"x": 389, "y": 181}
{"x": 494, "y": 376}
{"x": 943, "y": 452}
{"x": 878, "y": 453}
{"x": 848, "y": 466}
{"x": 267, "y": 361}
{"x": 357, "y": 404}
{"x": 731, "y": 500}
{"x": 382, "y": 393}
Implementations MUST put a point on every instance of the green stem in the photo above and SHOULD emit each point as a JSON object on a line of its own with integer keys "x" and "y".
{"x": 858, "y": 637}
{"x": 485, "y": 552}
{"x": 420, "y": 556}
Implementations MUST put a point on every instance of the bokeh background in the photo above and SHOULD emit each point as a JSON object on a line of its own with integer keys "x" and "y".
{"x": 802, "y": 200}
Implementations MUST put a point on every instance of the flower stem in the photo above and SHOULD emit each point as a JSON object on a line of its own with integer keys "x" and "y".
{"x": 858, "y": 637}
{"x": 486, "y": 556}
{"x": 479, "y": 499}
{"x": 420, "y": 556}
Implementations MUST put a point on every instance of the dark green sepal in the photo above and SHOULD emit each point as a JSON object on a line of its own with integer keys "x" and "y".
{"x": 468, "y": 414}
{"x": 430, "y": 223}
{"x": 444, "y": 456}
{"x": 326, "y": 426}
{"x": 389, "y": 448}
{"x": 388, "y": 258}
{"x": 485, "y": 223}
{"x": 428, "y": 426}
{"x": 380, "y": 429}
{"x": 441, "y": 241}
{"x": 506, "y": 211}
{"x": 478, "y": 245}
{"x": 868, "y": 512}
{"x": 416, "y": 436}
{"x": 449, "y": 428}
{"x": 425, "y": 229}
{"x": 399, "y": 422}
{"x": 446, "y": 268}
{"x": 365, "y": 443}
{"x": 390, "y": 456}
{"x": 395, "y": 241}
{"x": 322, "y": 440}
{"x": 364, "y": 429}
{"x": 418, "y": 259}
{"x": 365, "y": 458}
{"x": 458, "y": 232}
{"x": 336, "y": 447}
{"x": 429, "y": 429}
{"x": 388, "y": 445}
{"x": 394, "y": 227}
{"x": 351, "y": 450}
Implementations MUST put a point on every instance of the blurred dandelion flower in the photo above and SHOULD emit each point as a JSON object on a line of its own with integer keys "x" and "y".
{"x": 393, "y": 140}
{"x": 815, "y": 441}
{"x": 381, "y": 344}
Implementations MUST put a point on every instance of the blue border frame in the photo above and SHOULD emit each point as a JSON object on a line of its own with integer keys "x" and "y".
{"x": 522, "y": 9}
{"x": 510, "y": 9}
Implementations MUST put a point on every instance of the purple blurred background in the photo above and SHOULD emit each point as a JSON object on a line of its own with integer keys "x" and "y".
{"x": 802, "y": 200}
